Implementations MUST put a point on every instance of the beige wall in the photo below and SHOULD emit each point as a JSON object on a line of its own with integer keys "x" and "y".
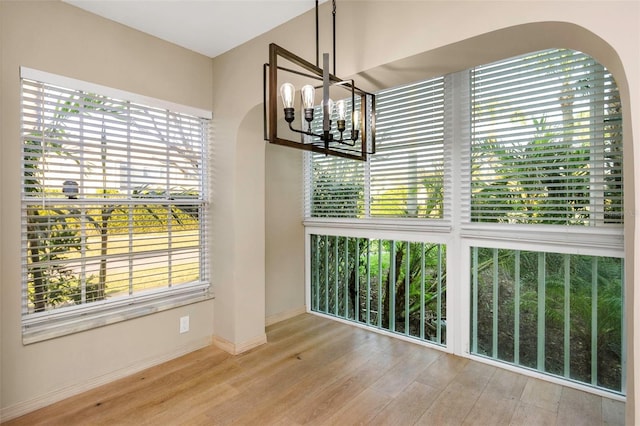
{"x": 57, "y": 38}
{"x": 284, "y": 254}
{"x": 258, "y": 237}
{"x": 386, "y": 43}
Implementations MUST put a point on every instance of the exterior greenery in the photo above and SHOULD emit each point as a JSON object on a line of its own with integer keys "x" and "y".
{"x": 549, "y": 152}
{"x": 399, "y": 286}
{"x": 557, "y": 313}
{"x": 56, "y": 242}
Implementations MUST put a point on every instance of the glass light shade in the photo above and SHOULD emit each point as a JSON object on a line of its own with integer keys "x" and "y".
{"x": 341, "y": 109}
{"x": 356, "y": 120}
{"x": 287, "y": 91}
{"x": 330, "y": 106}
{"x": 308, "y": 93}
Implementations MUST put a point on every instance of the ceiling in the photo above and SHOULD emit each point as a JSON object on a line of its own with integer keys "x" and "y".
{"x": 209, "y": 27}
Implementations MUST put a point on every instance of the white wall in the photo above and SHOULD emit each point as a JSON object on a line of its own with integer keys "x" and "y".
{"x": 61, "y": 39}
{"x": 385, "y": 43}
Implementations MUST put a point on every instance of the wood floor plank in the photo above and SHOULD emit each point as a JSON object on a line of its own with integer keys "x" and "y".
{"x": 499, "y": 398}
{"x": 410, "y": 367}
{"x": 321, "y": 405}
{"x": 505, "y": 384}
{"x": 452, "y": 405}
{"x": 301, "y": 393}
{"x": 532, "y": 415}
{"x": 441, "y": 372}
{"x": 578, "y": 404}
{"x": 266, "y": 389}
{"x": 361, "y": 409}
{"x": 407, "y": 407}
{"x": 544, "y": 395}
{"x": 318, "y": 371}
{"x": 491, "y": 411}
{"x": 190, "y": 406}
{"x": 475, "y": 376}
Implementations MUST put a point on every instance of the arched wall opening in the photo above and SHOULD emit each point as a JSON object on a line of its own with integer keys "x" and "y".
{"x": 282, "y": 216}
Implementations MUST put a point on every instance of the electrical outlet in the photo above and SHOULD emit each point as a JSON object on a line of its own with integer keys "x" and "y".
{"x": 184, "y": 324}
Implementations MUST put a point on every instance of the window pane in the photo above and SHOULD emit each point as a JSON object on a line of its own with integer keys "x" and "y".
{"x": 557, "y": 313}
{"x": 405, "y": 178}
{"x": 113, "y": 197}
{"x": 407, "y": 171}
{"x": 546, "y": 141}
{"x": 337, "y": 187}
{"x": 394, "y": 285}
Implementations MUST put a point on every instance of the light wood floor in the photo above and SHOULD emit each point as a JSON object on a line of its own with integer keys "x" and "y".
{"x": 318, "y": 371}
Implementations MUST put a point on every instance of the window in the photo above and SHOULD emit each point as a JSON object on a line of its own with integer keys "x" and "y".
{"x": 397, "y": 286}
{"x": 114, "y": 205}
{"x": 553, "y": 312}
{"x": 404, "y": 178}
{"x": 546, "y": 151}
{"x": 490, "y": 220}
{"x": 546, "y": 141}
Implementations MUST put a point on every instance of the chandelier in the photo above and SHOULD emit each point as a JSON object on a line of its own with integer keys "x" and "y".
{"x": 344, "y": 128}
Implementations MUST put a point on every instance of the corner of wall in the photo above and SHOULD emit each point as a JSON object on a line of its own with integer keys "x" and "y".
{"x": 235, "y": 349}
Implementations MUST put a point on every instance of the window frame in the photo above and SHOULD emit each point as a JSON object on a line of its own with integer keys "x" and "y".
{"x": 48, "y": 324}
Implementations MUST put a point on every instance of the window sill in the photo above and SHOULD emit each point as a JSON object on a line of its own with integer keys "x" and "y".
{"x": 576, "y": 237}
{"x": 43, "y": 326}
{"x": 408, "y": 225}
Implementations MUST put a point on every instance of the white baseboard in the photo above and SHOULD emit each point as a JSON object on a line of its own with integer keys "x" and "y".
{"x": 22, "y": 408}
{"x": 235, "y": 349}
{"x": 281, "y": 316}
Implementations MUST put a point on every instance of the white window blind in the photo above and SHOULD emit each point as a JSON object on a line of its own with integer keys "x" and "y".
{"x": 337, "y": 187}
{"x": 113, "y": 206}
{"x": 404, "y": 178}
{"x": 546, "y": 141}
{"x": 407, "y": 171}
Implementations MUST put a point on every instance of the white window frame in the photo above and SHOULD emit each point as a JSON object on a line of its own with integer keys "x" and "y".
{"x": 39, "y": 326}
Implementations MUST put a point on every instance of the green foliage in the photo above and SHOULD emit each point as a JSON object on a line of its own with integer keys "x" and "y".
{"x": 345, "y": 194}
{"x": 585, "y": 289}
{"x": 51, "y": 238}
{"x": 532, "y": 183}
{"x": 356, "y": 278}
{"x": 424, "y": 200}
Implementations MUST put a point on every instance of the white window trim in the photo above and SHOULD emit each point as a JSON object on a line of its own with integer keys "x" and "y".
{"x": 41, "y": 326}
{"x": 60, "y": 322}
{"x": 32, "y": 74}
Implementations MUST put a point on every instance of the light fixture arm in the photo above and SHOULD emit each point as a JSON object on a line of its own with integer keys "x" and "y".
{"x": 327, "y": 137}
